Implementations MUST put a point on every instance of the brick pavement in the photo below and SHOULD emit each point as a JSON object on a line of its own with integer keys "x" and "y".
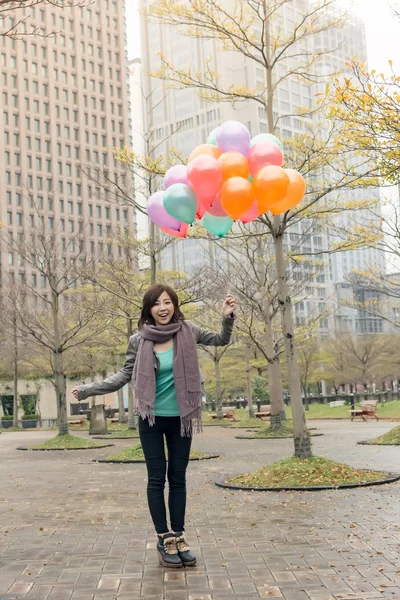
{"x": 71, "y": 529}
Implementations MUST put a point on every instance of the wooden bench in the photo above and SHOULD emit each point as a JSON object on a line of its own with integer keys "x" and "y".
{"x": 115, "y": 418}
{"x": 228, "y": 413}
{"x": 265, "y": 412}
{"x": 81, "y": 421}
{"x": 367, "y": 409}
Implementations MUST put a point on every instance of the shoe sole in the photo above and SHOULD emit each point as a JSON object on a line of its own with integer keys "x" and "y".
{"x": 190, "y": 564}
{"x": 168, "y": 565}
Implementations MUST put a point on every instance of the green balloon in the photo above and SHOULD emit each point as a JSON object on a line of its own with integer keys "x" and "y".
{"x": 250, "y": 178}
{"x": 218, "y": 226}
{"x": 262, "y": 137}
{"x": 212, "y": 138}
{"x": 180, "y": 202}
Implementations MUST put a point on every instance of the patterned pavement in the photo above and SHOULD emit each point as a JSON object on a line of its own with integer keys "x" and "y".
{"x": 71, "y": 529}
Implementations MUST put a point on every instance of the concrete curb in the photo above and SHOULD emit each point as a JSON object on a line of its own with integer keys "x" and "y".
{"x": 127, "y": 462}
{"x": 392, "y": 477}
{"x": 27, "y": 449}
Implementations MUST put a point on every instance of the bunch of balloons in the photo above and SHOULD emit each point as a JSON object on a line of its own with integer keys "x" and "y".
{"x": 230, "y": 178}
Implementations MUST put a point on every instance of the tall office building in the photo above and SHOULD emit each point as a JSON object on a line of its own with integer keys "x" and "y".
{"x": 180, "y": 118}
{"x": 349, "y": 42}
{"x": 65, "y": 104}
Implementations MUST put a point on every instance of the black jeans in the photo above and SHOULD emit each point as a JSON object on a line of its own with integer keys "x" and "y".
{"x": 152, "y": 440}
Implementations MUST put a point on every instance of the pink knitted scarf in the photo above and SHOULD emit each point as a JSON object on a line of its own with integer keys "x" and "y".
{"x": 186, "y": 374}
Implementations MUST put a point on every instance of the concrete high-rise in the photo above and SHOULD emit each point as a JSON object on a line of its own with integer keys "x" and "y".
{"x": 65, "y": 105}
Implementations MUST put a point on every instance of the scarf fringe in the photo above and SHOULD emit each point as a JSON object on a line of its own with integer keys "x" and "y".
{"x": 146, "y": 412}
{"x": 190, "y": 424}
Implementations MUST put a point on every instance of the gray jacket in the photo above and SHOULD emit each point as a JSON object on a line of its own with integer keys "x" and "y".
{"x": 202, "y": 336}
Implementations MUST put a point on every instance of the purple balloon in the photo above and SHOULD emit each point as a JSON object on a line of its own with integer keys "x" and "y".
{"x": 233, "y": 136}
{"x": 175, "y": 174}
{"x": 158, "y": 214}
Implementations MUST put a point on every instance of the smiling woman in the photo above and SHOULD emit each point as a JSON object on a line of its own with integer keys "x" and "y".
{"x": 162, "y": 362}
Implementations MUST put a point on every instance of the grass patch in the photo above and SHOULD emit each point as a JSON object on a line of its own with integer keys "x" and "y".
{"x": 306, "y": 472}
{"x": 391, "y": 437}
{"x": 66, "y": 442}
{"x": 136, "y": 453}
{"x": 13, "y": 429}
{"x": 122, "y": 433}
{"x": 272, "y": 432}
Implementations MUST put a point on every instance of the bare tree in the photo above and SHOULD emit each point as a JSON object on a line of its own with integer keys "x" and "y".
{"x": 251, "y": 33}
{"x": 49, "y": 306}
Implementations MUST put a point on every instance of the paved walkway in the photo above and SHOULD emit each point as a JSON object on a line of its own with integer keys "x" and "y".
{"x": 71, "y": 529}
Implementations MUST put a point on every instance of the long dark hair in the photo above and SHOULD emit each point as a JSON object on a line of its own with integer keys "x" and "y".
{"x": 149, "y": 300}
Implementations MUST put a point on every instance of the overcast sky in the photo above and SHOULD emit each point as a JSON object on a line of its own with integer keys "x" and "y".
{"x": 383, "y": 31}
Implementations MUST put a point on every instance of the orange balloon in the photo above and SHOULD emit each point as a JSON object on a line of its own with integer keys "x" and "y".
{"x": 234, "y": 164}
{"x": 295, "y": 192}
{"x": 236, "y": 196}
{"x": 270, "y": 187}
{"x": 205, "y": 149}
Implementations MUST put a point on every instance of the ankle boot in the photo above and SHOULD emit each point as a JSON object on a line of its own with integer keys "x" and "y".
{"x": 167, "y": 551}
{"x": 185, "y": 554}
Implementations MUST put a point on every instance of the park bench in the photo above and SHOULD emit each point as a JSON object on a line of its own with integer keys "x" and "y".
{"x": 115, "y": 418}
{"x": 265, "y": 411}
{"x": 228, "y": 413}
{"x": 80, "y": 421}
{"x": 336, "y": 403}
{"x": 367, "y": 409}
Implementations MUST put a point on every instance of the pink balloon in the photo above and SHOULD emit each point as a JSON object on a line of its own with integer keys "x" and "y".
{"x": 175, "y": 174}
{"x": 262, "y": 154}
{"x": 205, "y": 177}
{"x": 216, "y": 209}
{"x": 158, "y": 214}
{"x": 201, "y": 210}
{"x": 182, "y": 233}
{"x": 252, "y": 214}
{"x": 233, "y": 136}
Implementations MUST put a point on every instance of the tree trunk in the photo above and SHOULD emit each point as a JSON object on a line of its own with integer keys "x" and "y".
{"x": 15, "y": 402}
{"x": 61, "y": 393}
{"x": 153, "y": 259}
{"x": 121, "y": 406}
{"x": 131, "y": 395}
{"x": 59, "y": 377}
{"x": 92, "y": 378}
{"x": 248, "y": 384}
{"x": 98, "y": 421}
{"x": 302, "y": 444}
{"x": 218, "y": 393}
{"x": 306, "y": 400}
{"x": 274, "y": 371}
{"x": 131, "y": 407}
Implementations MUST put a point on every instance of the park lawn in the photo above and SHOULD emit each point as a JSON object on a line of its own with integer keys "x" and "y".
{"x": 388, "y": 410}
{"x": 305, "y": 472}
{"x": 136, "y": 453}
{"x": 66, "y": 442}
{"x": 391, "y": 437}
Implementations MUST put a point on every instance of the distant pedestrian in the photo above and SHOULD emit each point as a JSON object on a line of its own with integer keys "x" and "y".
{"x": 162, "y": 361}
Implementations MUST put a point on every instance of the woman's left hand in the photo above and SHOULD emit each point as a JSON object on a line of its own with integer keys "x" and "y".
{"x": 228, "y": 306}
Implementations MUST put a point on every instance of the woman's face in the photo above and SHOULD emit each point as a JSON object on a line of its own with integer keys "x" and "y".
{"x": 163, "y": 310}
